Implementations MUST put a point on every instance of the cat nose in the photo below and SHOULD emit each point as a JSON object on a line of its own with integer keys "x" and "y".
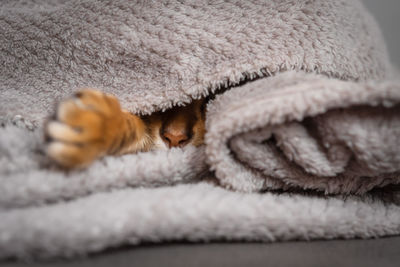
{"x": 175, "y": 139}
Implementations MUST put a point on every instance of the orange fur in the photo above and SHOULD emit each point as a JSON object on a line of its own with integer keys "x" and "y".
{"x": 92, "y": 124}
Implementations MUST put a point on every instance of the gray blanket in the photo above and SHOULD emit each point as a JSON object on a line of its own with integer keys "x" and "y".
{"x": 302, "y": 144}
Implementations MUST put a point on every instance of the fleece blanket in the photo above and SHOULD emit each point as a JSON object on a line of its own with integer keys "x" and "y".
{"x": 302, "y": 137}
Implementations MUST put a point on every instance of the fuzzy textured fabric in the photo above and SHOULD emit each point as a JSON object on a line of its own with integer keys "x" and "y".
{"x": 321, "y": 121}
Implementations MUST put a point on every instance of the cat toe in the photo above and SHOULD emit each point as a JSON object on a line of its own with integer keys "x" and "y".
{"x": 59, "y": 131}
{"x": 70, "y": 155}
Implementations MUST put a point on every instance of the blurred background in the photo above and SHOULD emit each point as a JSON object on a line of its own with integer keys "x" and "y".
{"x": 387, "y": 13}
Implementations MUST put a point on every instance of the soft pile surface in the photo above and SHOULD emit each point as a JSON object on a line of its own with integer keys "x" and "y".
{"x": 303, "y": 144}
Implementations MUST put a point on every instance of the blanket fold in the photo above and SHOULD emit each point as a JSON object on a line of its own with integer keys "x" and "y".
{"x": 328, "y": 135}
{"x": 29, "y": 178}
{"x": 195, "y": 212}
{"x": 302, "y": 136}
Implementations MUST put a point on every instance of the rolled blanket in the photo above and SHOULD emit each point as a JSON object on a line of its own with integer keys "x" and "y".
{"x": 306, "y": 113}
{"x": 306, "y": 131}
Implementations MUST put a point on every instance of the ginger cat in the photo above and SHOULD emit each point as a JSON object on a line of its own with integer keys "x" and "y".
{"x": 92, "y": 124}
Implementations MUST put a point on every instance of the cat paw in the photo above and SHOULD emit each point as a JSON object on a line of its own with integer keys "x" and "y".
{"x": 82, "y": 128}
